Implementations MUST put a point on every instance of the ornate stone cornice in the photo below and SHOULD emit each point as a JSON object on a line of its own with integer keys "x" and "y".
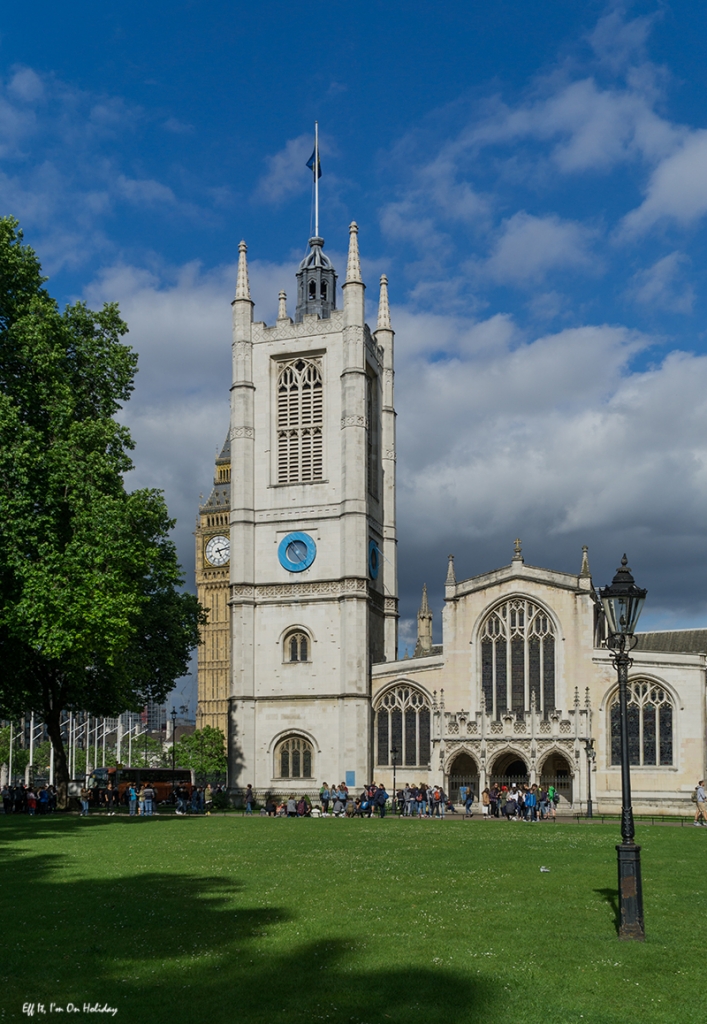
{"x": 310, "y": 327}
{"x": 354, "y": 586}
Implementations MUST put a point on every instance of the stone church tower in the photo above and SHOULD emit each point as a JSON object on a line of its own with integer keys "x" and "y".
{"x": 313, "y": 572}
{"x": 212, "y": 557}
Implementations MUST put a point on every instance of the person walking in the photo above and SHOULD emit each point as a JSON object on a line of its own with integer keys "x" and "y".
{"x": 381, "y": 799}
{"x": 324, "y": 797}
{"x": 85, "y": 797}
{"x": 553, "y": 798}
{"x": 485, "y": 803}
{"x": 7, "y": 801}
{"x": 701, "y": 800}
{"x": 132, "y": 800}
{"x": 468, "y": 801}
{"x": 249, "y": 799}
{"x": 209, "y": 798}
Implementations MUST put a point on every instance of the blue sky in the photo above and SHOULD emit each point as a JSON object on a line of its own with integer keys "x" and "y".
{"x": 531, "y": 176}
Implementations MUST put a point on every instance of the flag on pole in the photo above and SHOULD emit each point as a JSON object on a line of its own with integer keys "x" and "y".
{"x": 310, "y": 163}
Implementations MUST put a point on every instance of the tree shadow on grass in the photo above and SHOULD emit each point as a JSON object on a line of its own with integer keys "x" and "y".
{"x": 181, "y": 949}
{"x": 611, "y": 896}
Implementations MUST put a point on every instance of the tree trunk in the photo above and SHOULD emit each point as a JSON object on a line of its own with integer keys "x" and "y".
{"x": 52, "y": 718}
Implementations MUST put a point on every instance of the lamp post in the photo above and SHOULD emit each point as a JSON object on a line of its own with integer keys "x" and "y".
{"x": 394, "y": 752}
{"x": 622, "y": 602}
{"x": 173, "y": 716}
{"x": 591, "y": 754}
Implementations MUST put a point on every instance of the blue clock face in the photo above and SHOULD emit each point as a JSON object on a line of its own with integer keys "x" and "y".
{"x": 296, "y": 552}
{"x": 374, "y": 559}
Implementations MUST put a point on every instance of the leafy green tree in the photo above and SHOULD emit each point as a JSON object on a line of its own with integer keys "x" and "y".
{"x": 204, "y": 751}
{"x": 91, "y": 612}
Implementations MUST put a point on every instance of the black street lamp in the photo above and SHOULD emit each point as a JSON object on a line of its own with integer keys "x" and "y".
{"x": 622, "y": 602}
{"x": 173, "y": 716}
{"x": 394, "y": 752}
{"x": 591, "y": 755}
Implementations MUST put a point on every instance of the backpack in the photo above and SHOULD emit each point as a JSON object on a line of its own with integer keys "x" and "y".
{"x": 693, "y": 795}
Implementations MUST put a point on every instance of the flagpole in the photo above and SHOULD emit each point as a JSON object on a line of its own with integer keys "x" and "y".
{"x": 316, "y": 179}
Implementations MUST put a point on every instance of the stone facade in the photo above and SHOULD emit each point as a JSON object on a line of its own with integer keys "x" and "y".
{"x": 299, "y": 661}
{"x": 537, "y": 727}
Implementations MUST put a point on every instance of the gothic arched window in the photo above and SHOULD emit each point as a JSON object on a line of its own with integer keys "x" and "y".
{"x": 518, "y": 658}
{"x": 649, "y": 722}
{"x": 403, "y": 725}
{"x": 297, "y": 646}
{"x": 294, "y": 759}
{"x": 300, "y": 417}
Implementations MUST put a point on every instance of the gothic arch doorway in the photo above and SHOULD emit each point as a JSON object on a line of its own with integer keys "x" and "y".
{"x": 509, "y": 768}
{"x": 463, "y": 771}
{"x": 557, "y": 771}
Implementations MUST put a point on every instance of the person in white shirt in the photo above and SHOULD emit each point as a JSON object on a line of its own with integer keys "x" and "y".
{"x": 701, "y": 810}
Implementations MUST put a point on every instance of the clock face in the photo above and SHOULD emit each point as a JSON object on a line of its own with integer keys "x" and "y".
{"x": 296, "y": 552}
{"x": 218, "y": 550}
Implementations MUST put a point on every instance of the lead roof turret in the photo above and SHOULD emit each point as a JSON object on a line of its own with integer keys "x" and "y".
{"x": 316, "y": 283}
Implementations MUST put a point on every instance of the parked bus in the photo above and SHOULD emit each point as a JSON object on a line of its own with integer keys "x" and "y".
{"x": 164, "y": 781}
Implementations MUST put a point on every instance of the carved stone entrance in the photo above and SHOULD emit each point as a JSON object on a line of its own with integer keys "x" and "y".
{"x": 463, "y": 771}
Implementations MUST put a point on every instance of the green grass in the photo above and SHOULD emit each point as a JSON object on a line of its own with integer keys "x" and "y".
{"x": 226, "y": 919}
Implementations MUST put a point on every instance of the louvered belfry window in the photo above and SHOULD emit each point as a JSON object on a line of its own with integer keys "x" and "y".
{"x": 299, "y": 421}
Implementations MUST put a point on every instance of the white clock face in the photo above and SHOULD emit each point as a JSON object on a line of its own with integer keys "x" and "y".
{"x": 218, "y": 550}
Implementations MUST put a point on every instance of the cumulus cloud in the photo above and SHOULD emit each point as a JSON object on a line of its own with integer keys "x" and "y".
{"x": 677, "y": 189}
{"x": 180, "y": 326}
{"x": 287, "y": 173}
{"x": 528, "y": 247}
{"x": 662, "y": 285}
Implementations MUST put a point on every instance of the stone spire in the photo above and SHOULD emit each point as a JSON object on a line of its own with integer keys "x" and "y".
{"x": 282, "y": 307}
{"x": 242, "y": 284}
{"x": 451, "y": 577}
{"x": 424, "y": 627}
{"x": 383, "y": 307}
{"x": 584, "y": 571}
{"x": 353, "y": 265}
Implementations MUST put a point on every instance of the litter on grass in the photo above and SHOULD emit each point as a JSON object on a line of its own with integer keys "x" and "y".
{"x": 544, "y": 869}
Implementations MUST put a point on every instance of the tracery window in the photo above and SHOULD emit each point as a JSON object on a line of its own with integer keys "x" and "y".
{"x": 296, "y": 646}
{"x": 300, "y": 418}
{"x": 649, "y": 722}
{"x": 403, "y": 724}
{"x": 518, "y": 659}
{"x": 294, "y": 758}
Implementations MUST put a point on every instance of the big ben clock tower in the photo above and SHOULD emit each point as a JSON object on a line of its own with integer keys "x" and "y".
{"x": 212, "y": 571}
{"x": 312, "y": 563}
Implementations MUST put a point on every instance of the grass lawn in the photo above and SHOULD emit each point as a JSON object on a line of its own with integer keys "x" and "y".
{"x": 226, "y": 919}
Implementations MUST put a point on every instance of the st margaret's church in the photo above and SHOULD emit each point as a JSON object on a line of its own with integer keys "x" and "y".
{"x": 296, "y": 563}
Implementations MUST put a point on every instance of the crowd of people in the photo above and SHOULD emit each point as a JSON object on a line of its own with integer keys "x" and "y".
{"x": 338, "y": 801}
{"x": 520, "y": 803}
{"x": 139, "y": 801}
{"x": 23, "y": 799}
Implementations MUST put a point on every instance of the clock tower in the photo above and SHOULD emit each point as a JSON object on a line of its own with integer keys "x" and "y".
{"x": 212, "y": 571}
{"x": 313, "y": 571}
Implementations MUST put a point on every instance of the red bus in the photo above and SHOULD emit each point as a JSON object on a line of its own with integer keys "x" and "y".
{"x": 164, "y": 781}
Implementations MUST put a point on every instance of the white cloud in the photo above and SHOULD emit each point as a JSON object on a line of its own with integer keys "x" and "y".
{"x": 180, "y": 326}
{"x": 287, "y": 173}
{"x": 661, "y": 287}
{"x": 677, "y": 190}
{"x": 144, "y": 192}
{"x": 26, "y": 85}
{"x": 528, "y": 247}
